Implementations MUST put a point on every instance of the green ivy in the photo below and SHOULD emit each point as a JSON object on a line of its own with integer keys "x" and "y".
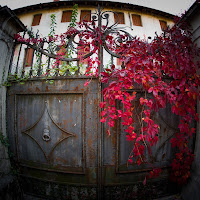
{"x": 74, "y": 16}
{"x": 53, "y": 25}
{"x": 71, "y": 67}
{"x": 15, "y": 78}
{"x": 4, "y": 140}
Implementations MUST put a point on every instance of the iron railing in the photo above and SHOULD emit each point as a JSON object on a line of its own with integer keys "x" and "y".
{"x": 45, "y": 61}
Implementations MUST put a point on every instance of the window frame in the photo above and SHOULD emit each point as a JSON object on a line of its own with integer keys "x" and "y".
{"x": 163, "y": 24}
{"x": 82, "y": 51}
{"x": 119, "y": 14}
{"x": 28, "y": 56}
{"x": 64, "y": 17}
{"x": 83, "y": 15}
{"x": 35, "y": 21}
{"x": 138, "y": 18}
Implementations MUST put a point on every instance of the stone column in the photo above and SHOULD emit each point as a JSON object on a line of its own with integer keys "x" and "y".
{"x": 9, "y": 25}
{"x": 192, "y": 190}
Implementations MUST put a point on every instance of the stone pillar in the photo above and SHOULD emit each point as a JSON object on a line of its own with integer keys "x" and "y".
{"x": 192, "y": 190}
{"x": 194, "y": 21}
{"x": 9, "y": 25}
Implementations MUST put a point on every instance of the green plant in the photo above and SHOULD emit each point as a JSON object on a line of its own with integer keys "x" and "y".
{"x": 74, "y": 16}
{"x": 15, "y": 78}
{"x": 4, "y": 140}
{"x": 52, "y": 44}
{"x": 71, "y": 67}
{"x": 51, "y": 34}
{"x": 52, "y": 25}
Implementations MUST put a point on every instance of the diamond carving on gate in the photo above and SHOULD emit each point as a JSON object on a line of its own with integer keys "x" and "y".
{"x": 47, "y": 143}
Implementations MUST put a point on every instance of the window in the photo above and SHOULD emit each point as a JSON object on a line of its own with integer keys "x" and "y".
{"x": 163, "y": 25}
{"x": 119, "y": 62}
{"x": 62, "y": 53}
{"x": 36, "y": 19}
{"x": 66, "y": 16}
{"x": 136, "y": 20}
{"x": 121, "y": 17}
{"x": 28, "y": 57}
{"x": 82, "y": 52}
{"x": 85, "y": 15}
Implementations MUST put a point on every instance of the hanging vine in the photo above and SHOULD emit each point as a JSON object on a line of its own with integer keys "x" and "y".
{"x": 166, "y": 70}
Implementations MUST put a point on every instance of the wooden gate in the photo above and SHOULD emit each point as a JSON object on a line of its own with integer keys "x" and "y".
{"x": 55, "y": 132}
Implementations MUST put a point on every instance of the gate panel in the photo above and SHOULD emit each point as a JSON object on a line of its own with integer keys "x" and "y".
{"x": 51, "y": 130}
{"x": 123, "y": 180}
{"x": 162, "y": 152}
{"x": 54, "y": 132}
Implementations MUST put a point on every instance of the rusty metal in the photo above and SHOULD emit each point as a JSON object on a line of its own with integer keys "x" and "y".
{"x": 26, "y": 131}
{"x": 72, "y": 87}
{"x": 38, "y": 145}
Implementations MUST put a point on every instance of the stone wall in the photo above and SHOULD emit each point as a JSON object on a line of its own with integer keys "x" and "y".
{"x": 9, "y": 25}
{"x": 191, "y": 191}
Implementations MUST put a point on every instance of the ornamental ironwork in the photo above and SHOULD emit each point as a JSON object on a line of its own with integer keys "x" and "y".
{"x": 74, "y": 48}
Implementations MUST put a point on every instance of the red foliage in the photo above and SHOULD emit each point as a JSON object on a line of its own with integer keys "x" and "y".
{"x": 166, "y": 71}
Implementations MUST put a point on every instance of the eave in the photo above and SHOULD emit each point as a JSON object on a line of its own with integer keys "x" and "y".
{"x": 103, "y": 4}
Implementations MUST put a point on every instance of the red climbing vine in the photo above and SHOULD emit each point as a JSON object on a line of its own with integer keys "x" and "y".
{"x": 165, "y": 72}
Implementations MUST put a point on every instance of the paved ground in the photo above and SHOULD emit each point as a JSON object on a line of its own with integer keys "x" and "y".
{"x": 173, "y": 197}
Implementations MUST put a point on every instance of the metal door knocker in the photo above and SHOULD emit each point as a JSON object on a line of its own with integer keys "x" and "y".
{"x": 46, "y": 136}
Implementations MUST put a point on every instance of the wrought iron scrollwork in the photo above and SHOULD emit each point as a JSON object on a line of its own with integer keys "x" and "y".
{"x": 100, "y": 33}
{"x": 96, "y": 29}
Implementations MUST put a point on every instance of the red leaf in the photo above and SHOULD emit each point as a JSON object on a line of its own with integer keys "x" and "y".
{"x": 108, "y": 70}
{"x": 103, "y": 120}
{"x": 102, "y": 104}
{"x": 130, "y": 161}
{"x": 155, "y": 92}
{"x": 104, "y": 112}
{"x": 113, "y": 67}
{"x": 150, "y": 89}
{"x": 145, "y": 181}
{"x": 87, "y": 82}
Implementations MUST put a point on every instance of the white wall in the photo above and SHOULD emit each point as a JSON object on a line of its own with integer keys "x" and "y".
{"x": 150, "y": 24}
{"x": 171, "y": 6}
